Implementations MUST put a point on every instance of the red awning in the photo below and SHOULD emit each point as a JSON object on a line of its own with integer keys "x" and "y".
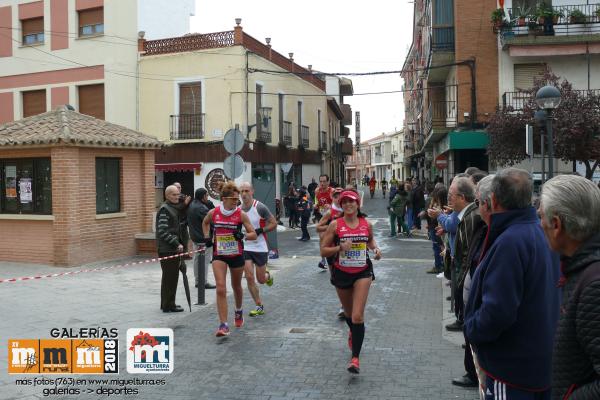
{"x": 177, "y": 167}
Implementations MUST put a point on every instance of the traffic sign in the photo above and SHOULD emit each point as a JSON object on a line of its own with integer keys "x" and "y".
{"x": 233, "y": 141}
{"x": 233, "y": 166}
{"x": 441, "y": 161}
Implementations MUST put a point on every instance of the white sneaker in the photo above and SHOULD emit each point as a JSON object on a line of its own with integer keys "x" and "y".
{"x": 440, "y": 275}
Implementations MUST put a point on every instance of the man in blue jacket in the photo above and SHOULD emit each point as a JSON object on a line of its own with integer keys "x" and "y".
{"x": 513, "y": 306}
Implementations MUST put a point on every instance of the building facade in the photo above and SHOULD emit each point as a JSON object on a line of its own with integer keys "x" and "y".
{"x": 450, "y": 78}
{"x": 78, "y": 52}
{"x": 225, "y": 80}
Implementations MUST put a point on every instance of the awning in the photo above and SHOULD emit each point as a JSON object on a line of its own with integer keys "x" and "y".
{"x": 177, "y": 167}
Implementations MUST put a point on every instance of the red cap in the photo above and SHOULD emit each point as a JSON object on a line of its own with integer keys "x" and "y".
{"x": 338, "y": 190}
{"x": 349, "y": 194}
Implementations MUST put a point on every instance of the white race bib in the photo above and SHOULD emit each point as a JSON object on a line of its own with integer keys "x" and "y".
{"x": 356, "y": 257}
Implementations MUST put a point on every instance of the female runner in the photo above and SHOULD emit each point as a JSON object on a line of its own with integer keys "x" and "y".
{"x": 227, "y": 220}
{"x": 347, "y": 238}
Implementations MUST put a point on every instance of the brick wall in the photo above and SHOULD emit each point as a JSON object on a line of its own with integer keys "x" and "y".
{"x": 76, "y": 236}
{"x": 474, "y": 38}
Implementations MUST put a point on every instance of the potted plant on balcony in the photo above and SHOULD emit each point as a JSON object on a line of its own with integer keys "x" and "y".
{"x": 546, "y": 12}
{"x": 522, "y": 14}
{"x": 577, "y": 17}
{"x": 597, "y": 14}
{"x": 498, "y": 18}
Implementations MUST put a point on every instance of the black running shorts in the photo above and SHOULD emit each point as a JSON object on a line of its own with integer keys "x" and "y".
{"x": 232, "y": 262}
{"x": 259, "y": 258}
{"x": 344, "y": 280}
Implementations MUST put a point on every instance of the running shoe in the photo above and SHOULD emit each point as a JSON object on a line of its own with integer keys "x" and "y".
{"x": 223, "y": 330}
{"x": 350, "y": 340}
{"x": 354, "y": 366}
{"x": 239, "y": 318}
{"x": 322, "y": 265}
{"x": 260, "y": 310}
{"x": 269, "y": 281}
{"x": 341, "y": 314}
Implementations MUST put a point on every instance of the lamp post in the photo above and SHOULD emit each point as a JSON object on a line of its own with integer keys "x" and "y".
{"x": 548, "y": 98}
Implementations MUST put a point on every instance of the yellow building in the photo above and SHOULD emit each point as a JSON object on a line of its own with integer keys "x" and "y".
{"x": 195, "y": 88}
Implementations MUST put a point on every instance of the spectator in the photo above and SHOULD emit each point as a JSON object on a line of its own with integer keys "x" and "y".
{"x": 397, "y": 212}
{"x": 437, "y": 200}
{"x": 418, "y": 204}
{"x": 570, "y": 216}
{"x": 195, "y": 215}
{"x": 513, "y": 304}
{"x": 304, "y": 209}
{"x": 478, "y": 176}
{"x": 290, "y": 201}
{"x": 311, "y": 187}
{"x": 470, "y": 171}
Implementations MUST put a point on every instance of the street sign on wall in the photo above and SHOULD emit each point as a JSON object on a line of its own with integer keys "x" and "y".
{"x": 441, "y": 161}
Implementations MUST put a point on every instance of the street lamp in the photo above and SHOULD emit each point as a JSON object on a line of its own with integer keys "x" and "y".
{"x": 548, "y": 98}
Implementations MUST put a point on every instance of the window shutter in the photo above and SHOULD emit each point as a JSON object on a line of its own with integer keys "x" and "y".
{"x": 91, "y": 17}
{"x": 33, "y": 25}
{"x": 91, "y": 100}
{"x": 190, "y": 100}
{"x": 34, "y": 102}
{"x": 525, "y": 74}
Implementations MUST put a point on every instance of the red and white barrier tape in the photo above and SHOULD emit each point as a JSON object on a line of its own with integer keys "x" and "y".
{"x": 150, "y": 260}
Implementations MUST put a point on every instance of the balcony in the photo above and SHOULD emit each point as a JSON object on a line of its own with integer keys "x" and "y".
{"x": 285, "y": 137}
{"x": 442, "y": 39}
{"x": 263, "y": 125}
{"x": 517, "y": 100}
{"x": 187, "y": 126}
{"x": 323, "y": 146}
{"x": 303, "y": 138}
{"x": 572, "y": 24}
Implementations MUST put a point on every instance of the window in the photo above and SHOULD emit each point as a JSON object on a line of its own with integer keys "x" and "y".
{"x": 190, "y": 111}
{"x": 34, "y": 102}
{"x": 25, "y": 186}
{"x": 108, "y": 185}
{"x": 91, "y": 22}
{"x": 526, "y": 73}
{"x": 33, "y": 30}
{"x": 91, "y": 100}
{"x": 259, "y": 125}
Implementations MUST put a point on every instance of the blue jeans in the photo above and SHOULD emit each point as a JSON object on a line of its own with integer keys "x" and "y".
{"x": 437, "y": 248}
{"x": 409, "y": 218}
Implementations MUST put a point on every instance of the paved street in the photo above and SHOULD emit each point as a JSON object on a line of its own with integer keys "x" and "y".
{"x": 297, "y": 350}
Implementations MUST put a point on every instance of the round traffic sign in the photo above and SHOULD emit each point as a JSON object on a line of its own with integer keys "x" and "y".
{"x": 233, "y": 166}
{"x": 441, "y": 161}
{"x": 233, "y": 141}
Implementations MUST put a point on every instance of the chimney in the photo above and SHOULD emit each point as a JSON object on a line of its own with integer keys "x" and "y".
{"x": 238, "y": 34}
{"x": 268, "y": 40}
{"x": 141, "y": 41}
{"x": 291, "y": 60}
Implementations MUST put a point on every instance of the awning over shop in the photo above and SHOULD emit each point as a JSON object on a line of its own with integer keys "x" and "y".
{"x": 177, "y": 167}
{"x": 468, "y": 140}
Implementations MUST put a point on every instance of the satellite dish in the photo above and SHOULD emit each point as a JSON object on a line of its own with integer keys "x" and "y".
{"x": 233, "y": 166}
{"x": 234, "y": 141}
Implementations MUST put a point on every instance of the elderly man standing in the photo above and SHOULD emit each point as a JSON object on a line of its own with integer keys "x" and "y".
{"x": 460, "y": 195}
{"x": 513, "y": 305}
{"x": 570, "y": 214}
{"x": 170, "y": 240}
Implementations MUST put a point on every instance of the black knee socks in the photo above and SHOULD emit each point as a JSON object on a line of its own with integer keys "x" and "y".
{"x": 349, "y": 322}
{"x": 358, "y": 335}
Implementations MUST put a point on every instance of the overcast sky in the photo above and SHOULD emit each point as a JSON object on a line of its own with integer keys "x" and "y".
{"x": 333, "y": 36}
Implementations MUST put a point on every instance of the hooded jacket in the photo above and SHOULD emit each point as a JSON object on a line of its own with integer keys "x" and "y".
{"x": 576, "y": 362}
{"x": 512, "y": 311}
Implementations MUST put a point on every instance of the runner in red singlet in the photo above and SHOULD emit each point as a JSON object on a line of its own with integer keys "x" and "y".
{"x": 348, "y": 238}
{"x": 323, "y": 202}
{"x": 226, "y": 238}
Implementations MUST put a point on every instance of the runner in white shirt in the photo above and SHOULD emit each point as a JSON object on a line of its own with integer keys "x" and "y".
{"x": 256, "y": 252}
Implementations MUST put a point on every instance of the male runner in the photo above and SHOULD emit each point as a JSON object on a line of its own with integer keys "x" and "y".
{"x": 256, "y": 252}
{"x": 324, "y": 199}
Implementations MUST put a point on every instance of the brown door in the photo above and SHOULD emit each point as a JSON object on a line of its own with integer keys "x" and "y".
{"x": 190, "y": 111}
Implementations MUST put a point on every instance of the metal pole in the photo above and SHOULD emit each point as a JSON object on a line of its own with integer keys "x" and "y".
{"x": 200, "y": 272}
{"x": 550, "y": 146}
{"x": 543, "y": 159}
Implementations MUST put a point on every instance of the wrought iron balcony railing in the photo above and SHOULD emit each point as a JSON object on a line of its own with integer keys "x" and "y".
{"x": 286, "y": 133}
{"x": 187, "y": 126}
{"x": 518, "y": 99}
{"x": 304, "y": 138}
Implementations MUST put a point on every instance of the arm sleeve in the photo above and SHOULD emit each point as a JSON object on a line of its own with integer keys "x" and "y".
{"x": 502, "y": 291}
{"x": 588, "y": 336}
{"x": 163, "y": 228}
{"x": 449, "y": 222}
{"x": 263, "y": 211}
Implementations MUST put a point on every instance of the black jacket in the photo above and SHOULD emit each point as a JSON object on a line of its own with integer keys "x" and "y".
{"x": 576, "y": 361}
{"x": 169, "y": 232}
{"x": 195, "y": 215}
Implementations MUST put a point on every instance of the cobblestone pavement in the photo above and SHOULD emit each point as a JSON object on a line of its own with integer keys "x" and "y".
{"x": 297, "y": 350}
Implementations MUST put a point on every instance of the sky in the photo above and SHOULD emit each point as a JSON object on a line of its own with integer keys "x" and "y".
{"x": 333, "y": 36}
